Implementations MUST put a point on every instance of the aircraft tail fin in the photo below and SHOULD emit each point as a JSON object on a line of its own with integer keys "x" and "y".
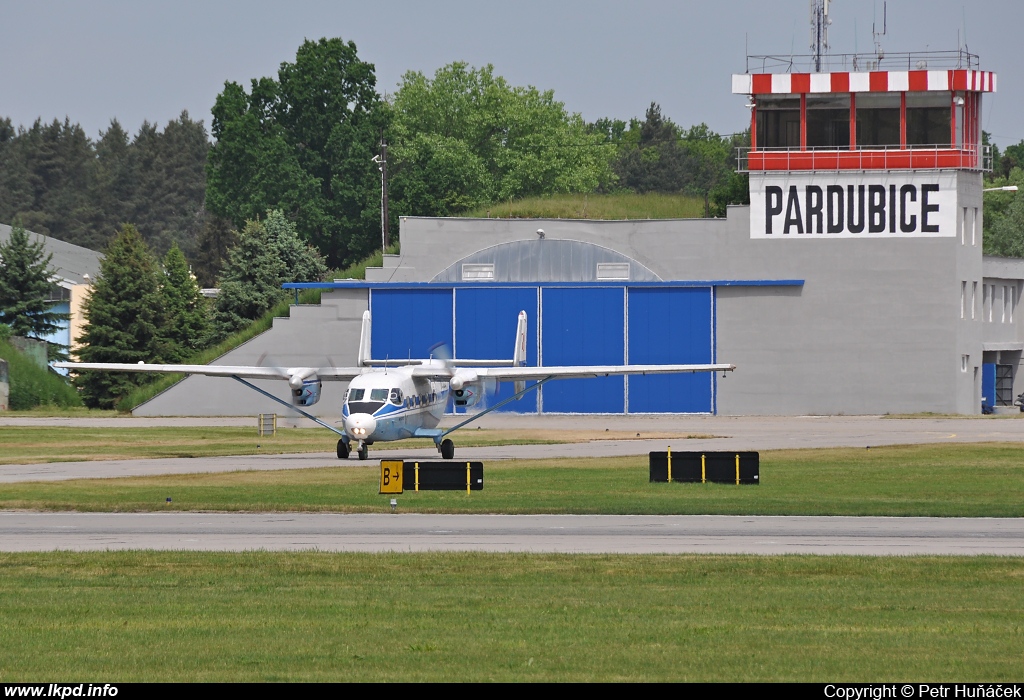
{"x": 363, "y": 359}
{"x": 519, "y": 354}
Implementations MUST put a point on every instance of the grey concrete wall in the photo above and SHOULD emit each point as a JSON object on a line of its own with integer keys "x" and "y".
{"x": 967, "y": 252}
{"x": 313, "y": 336}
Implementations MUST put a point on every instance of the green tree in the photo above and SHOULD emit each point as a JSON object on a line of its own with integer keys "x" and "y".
{"x": 25, "y": 287}
{"x": 169, "y": 172}
{"x": 302, "y": 262}
{"x": 45, "y": 176}
{"x": 251, "y": 283}
{"x": 651, "y": 156}
{"x": 1012, "y": 157}
{"x": 215, "y": 241}
{"x": 303, "y": 144}
{"x": 185, "y": 319}
{"x": 466, "y": 137}
{"x": 1004, "y": 217}
{"x": 125, "y": 315}
{"x": 268, "y": 254}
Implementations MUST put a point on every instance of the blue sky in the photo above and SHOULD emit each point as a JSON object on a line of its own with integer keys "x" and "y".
{"x": 92, "y": 61}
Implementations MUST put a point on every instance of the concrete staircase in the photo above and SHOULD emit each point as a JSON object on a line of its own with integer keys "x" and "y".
{"x": 312, "y": 336}
{"x": 391, "y": 271}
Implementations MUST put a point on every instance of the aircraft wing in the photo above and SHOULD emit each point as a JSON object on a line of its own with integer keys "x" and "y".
{"x": 510, "y": 374}
{"x": 327, "y": 374}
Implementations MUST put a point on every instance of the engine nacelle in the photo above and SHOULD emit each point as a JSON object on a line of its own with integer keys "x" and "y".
{"x": 308, "y": 394}
{"x": 468, "y": 393}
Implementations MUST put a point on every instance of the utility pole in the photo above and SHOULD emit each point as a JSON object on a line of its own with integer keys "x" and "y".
{"x": 382, "y": 164}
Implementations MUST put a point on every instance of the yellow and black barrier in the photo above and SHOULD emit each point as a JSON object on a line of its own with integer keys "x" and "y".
{"x": 703, "y": 467}
{"x": 397, "y": 476}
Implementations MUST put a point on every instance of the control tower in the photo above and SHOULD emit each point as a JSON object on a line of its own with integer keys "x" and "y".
{"x": 881, "y": 147}
{"x": 868, "y": 149}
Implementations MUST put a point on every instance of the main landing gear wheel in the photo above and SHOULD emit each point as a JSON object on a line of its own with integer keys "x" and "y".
{"x": 447, "y": 449}
{"x": 364, "y": 452}
{"x": 342, "y": 449}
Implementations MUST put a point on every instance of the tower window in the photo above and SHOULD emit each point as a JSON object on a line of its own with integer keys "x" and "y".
{"x": 878, "y": 119}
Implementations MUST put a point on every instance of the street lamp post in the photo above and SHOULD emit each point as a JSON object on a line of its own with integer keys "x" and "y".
{"x": 382, "y": 165}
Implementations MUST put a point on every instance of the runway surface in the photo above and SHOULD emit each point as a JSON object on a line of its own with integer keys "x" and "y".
{"x": 706, "y": 534}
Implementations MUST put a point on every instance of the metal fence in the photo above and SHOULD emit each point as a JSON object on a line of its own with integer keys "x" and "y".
{"x": 916, "y": 157}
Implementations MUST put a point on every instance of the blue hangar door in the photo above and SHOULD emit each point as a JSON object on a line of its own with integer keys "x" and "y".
{"x": 583, "y": 326}
{"x": 485, "y": 329}
{"x": 408, "y": 322}
{"x": 671, "y": 325}
{"x": 567, "y": 326}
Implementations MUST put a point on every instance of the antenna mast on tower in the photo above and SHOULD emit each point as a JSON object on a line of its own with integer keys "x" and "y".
{"x": 819, "y": 31}
{"x": 876, "y": 35}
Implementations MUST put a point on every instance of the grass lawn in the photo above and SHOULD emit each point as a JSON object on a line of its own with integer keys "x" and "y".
{"x": 982, "y": 480}
{"x": 177, "y": 616}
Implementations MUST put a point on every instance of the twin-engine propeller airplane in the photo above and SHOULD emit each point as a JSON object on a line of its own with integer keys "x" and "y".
{"x": 392, "y": 400}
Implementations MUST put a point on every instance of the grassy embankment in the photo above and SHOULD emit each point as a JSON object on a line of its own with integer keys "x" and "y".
{"x": 594, "y": 206}
{"x": 32, "y": 385}
{"x": 983, "y": 480}
{"x": 258, "y": 616}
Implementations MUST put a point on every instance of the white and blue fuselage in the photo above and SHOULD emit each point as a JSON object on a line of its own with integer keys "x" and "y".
{"x": 392, "y": 405}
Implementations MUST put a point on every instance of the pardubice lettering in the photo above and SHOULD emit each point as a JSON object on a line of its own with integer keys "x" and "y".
{"x": 835, "y": 209}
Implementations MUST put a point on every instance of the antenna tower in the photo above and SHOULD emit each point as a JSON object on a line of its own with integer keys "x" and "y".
{"x": 876, "y": 36}
{"x": 819, "y": 31}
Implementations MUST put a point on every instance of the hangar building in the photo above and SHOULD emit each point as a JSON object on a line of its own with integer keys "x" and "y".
{"x": 854, "y": 282}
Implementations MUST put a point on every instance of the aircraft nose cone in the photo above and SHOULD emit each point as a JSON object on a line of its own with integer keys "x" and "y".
{"x": 360, "y": 426}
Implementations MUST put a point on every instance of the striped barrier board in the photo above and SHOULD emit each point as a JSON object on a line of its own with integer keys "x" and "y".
{"x": 720, "y": 467}
{"x": 397, "y": 476}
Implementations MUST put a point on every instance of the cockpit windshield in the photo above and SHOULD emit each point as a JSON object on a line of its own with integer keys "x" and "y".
{"x": 358, "y": 402}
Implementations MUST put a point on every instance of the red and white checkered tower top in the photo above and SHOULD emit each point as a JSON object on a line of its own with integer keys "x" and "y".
{"x": 927, "y": 116}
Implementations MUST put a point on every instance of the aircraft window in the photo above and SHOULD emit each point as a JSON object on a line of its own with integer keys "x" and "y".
{"x": 396, "y": 397}
{"x": 417, "y": 400}
{"x": 378, "y": 394}
{"x": 356, "y": 394}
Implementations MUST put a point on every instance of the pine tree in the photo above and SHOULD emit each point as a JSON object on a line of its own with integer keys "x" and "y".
{"x": 25, "y": 286}
{"x": 185, "y": 324}
{"x": 125, "y": 315}
{"x": 215, "y": 243}
{"x": 251, "y": 283}
{"x": 268, "y": 253}
{"x": 302, "y": 262}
